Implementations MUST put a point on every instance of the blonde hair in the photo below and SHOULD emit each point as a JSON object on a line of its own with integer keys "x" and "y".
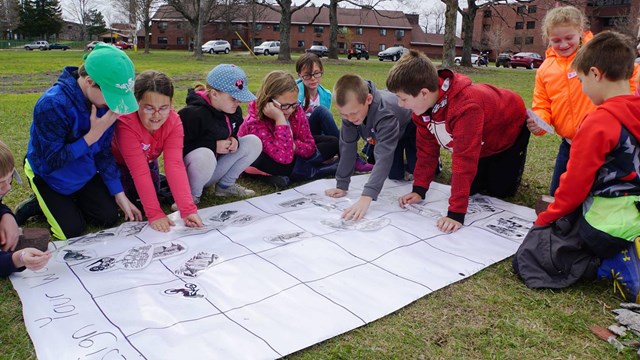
{"x": 351, "y": 83}
{"x": 276, "y": 83}
{"x": 200, "y": 87}
{"x": 7, "y": 163}
{"x": 563, "y": 16}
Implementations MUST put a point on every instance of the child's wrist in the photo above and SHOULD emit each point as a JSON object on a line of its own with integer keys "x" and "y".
{"x": 21, "y": 257}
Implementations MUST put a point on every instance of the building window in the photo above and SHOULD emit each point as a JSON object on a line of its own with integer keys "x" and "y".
{"x": 382, "y": 47}
{"x": 178, "y": 25}
{"x": 519, "y": 25}
{"x": 517, "y": 41}
{"x": 522, "y": 9}
{"x": 180, "y": 40}
{"x": 359, "y": 31}
{"x": 276, "y": 27}
{"x": 341, "y": 45}
{"x": 528, "y": 40}
{"x": 162, "y": 40}
{"x": 487, "y": 13}
{"x": 532, "y": 9}
{"x": 383, "y": 32}
{"x": 258, "y": 27}
{"x": 301, "y": 44}
{"x": 162, "y": 26}
{"x": 399, "y": 33}
{"x": 531, "y": 24}
{"x": 236, "y": 43}
{"x": 220, "y": 26}
{"x": 317, "y": 43}
{"x": 256, "y": 41}
{"x": 318, "y": 29}
{"x": 301, "y": 28}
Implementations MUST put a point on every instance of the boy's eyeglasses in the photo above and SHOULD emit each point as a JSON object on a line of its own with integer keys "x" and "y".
{"x": 285, "y": 106}
{"x": 150, "y": 110}
{"x": 317, "y": 75}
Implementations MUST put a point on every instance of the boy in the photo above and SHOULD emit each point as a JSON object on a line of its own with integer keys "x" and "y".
{"x": 69, "y": 162}
{"x": 375, "y": 116}
{"x": 601, "y": 187}
{"x": 483, "y": 126}
{"x": 11, "y": 261}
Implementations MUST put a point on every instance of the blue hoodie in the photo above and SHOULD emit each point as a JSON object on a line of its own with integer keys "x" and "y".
{"x": 57, "y": 151}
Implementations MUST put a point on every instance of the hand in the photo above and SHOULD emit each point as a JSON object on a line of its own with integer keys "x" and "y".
{"x": 193, "y": 220}
{"x": 131, "y": 212}
{"x": 448, "y": 225}
{"x": 410, "y": 198}
{"x": 99, "y": 125}
{"x": 32, "y": 259}
{"x": 234, "y": 144}
{"x": 163, "y": 224}
{"x": 273, "y": 112}
{"x": 222, "y": 146}
{"x": 335, "y": 193}
{"x": 357, "y": 210}
{"x": 533, "y": 128}
{"x": 9, "y": 232}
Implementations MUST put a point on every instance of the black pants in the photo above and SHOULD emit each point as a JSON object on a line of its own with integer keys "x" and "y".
{"x": 500, "y": 175}
{"x": 69, "y": 214}
{"x": 327, "y": 145}
{"x": 406, "y": 147}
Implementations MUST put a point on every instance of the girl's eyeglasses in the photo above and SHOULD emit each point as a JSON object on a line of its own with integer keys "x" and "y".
{"x": 285, "y": 106}
{"x": 317, "y": 75}
{"x": 150, "y": 110}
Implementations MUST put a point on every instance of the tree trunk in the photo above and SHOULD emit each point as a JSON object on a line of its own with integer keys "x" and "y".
{"x": 285, "y": 31}
{"x": 333, "y": 29}
{"x": 467, "y": 29}
{"x": 449, "y": 47}
{"x": 197, "y": 46}
{"x": 147, "y": 40}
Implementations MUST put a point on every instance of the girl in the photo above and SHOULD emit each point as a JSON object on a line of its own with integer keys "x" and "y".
{"x": 213, "y": 153}
{"x": 316, "y": 101}
{"x": 557, "y": 96}
{"x": 289, "y": 149}
{"x": 140, "y": 139}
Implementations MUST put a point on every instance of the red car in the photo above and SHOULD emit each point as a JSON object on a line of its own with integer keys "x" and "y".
{"x": 123, "y": 45}
{"x": 529, "y": 60}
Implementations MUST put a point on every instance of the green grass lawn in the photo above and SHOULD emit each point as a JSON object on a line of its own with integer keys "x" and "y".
{"x": 490, "y": 315}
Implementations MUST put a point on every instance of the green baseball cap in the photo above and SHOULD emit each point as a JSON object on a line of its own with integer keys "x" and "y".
{"x": 113, "y": 71}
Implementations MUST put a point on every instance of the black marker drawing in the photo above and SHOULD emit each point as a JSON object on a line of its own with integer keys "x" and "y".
{"x": 513, "y": 227}
{"x": 136, "y": 258}
{"x": 197, "y": 264}
{"x": 73, "y": 255}
{"x": 102, "y": 265}
{"x": 360, "y": 225}
{"x": 189, "y": 291}
{"x": 165, "y": 250}
{"x": 287, "y": 238}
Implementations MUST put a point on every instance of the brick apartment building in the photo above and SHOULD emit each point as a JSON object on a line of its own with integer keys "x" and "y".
{"x": 377, "y": 30}
{"x": 517, "y": 27}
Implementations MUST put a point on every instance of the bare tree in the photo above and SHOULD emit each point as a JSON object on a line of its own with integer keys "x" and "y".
{"x": 79, "y": 12}
{"x": 434, "y": 18}
{"x": 496, "y": 38}
{"x": 139, "y": 12}
{"x": 449, "y": 46}
{"x": 254, "y": 12}
{"x": 286, "y": 12}
{"x": 9, "y": 16}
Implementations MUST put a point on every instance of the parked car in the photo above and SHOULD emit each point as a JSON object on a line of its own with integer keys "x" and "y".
{"x": 474, "y": 59}
{"x": 503, "y": 59}
{"x": 124, "y": 45}
{"x": 358, "y": 50}
{"x": 40, "y": 44}
{"x": 216, "y": 46}
{"x": 267, "y": 48}
{"x": 319, "y": 50}
{"x": 393, "y": 53}
{"x": 530, "y": 60}
{"x": 57, "y": 46}
{"x": 92, "y": 45}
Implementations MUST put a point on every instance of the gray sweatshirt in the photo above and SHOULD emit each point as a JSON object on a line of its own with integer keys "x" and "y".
{"x": 385, "y": 123}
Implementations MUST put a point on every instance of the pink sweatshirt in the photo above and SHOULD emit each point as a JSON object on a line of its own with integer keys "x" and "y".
{"x": 277, "y": 141}
{"x": 134, "y": 146}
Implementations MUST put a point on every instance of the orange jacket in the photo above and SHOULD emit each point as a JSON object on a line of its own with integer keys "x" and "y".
{"x": 557, "y": 96}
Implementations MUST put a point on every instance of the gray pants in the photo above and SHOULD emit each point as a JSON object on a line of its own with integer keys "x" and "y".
{"x": 204, "y": 169}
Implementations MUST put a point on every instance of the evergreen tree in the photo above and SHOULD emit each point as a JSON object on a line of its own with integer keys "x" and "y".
{"x": 95, "y": 24}
{"x": 40, "y": 18}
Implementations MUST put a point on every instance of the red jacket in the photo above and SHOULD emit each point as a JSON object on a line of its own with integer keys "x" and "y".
{"x": 470, "y": 120}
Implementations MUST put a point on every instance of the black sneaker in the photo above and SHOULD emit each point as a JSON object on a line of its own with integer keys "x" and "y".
{"x": 27, "y": 209}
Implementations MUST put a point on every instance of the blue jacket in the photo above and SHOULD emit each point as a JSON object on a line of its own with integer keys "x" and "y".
{"x": 57, "y": 151}
{"x": 324, "y": 94}
{"x": 6, "y": 263}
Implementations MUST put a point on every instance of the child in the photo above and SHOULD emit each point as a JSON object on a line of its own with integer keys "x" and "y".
{"x": 375, "y": 116}
{"x": 213, "y": 151}
{"x": 288, "y": 147}
{"x": 69, "y": 162}
{"x": 557, "y": 95}
{"x": 141, "y": 137}
{"x": 601, "y": 186}
{"x": 316, "y": 101}
{"x": 483, "y": 126}
{"x": 11, "y": 261}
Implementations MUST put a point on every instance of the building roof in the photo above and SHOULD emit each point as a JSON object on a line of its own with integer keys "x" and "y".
{"x": 418, "y": 37}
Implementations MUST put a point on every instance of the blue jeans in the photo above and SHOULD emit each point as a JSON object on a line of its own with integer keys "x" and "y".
{"x": 561, "y": 166}
{"x": 321, "y": 123}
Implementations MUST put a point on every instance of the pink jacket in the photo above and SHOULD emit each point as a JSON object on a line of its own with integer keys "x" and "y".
{"x": 278, "y": 141}
{"x": 134, "y": 146}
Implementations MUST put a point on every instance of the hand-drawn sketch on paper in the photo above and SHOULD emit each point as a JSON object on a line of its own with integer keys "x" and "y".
{"x": 187, "y": 290}
{"x": 360, "y": 225}
{"x": 136, "y": 258}
{"x": 70, "y": 255}
{"x": 287, "y": 238}
{"x": 197, "y": 264}
{"x": 168, "y": 249}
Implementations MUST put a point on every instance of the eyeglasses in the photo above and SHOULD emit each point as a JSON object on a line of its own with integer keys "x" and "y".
{"x": 317, "y": 75}
{"x": 285, "y": 106}
{"x": 150, "y": 110}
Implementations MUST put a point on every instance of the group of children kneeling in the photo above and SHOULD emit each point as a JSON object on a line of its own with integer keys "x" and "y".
{"x": 82, "y": 168}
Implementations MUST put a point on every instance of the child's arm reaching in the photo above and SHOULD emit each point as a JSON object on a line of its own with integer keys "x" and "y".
{"x": 32, "y": 259}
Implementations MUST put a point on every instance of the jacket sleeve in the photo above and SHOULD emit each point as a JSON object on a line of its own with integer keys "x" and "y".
{"x": 106, "y": 163}
{"x": 387, "y": 136}
{"x": 593, "y": 141}
{"x": 276, "y": 143}
{"x": 305, "y": 145}
{"x": 541, "y": 103}
{"x": 348, "y": 148}
{"x": 633, "y": 82}
{"x": 176, "y": 170}
{"x": 428, "y": 151}
{"x": 6, "y": 264}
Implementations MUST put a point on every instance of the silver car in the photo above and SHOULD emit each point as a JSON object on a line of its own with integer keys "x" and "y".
{"x": 267, "y": 48}
{"x": 216, "y": 46}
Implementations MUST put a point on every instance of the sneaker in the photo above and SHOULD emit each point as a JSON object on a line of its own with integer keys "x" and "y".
{"x": 623, "y": 270}
{"x": 234, "y": 190}
{"x": 362, "y": 167}
{"x": 27, "y": 209}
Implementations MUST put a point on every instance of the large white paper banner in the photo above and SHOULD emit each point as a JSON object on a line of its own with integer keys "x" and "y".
{"x": 266, "y": 277}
